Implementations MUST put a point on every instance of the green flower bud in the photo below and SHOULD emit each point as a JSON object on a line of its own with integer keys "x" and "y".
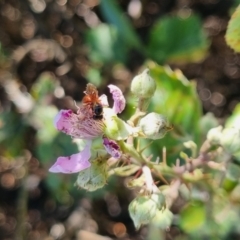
{"x": 116, "y": 128}
{"x": 143, "y": 85}
{"x": 163, "y": 219}
{"x": 143, "y": 208}
{"x": 93, "y": 177}
{"x": 154, "y": 126}
{"x": 231, "y": 140}
{"x": 214, "y": 135}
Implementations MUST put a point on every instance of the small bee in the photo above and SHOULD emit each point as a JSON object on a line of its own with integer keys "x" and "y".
{"x": 92, "y": 100}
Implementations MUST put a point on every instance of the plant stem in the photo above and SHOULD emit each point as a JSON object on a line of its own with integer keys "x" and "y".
{"x": 20, "y": 233}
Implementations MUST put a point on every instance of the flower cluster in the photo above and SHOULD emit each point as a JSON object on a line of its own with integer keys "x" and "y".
{"x": 95, "y": 120}
{"x": 105, "y": 139}
{"x": 82, "y": 125}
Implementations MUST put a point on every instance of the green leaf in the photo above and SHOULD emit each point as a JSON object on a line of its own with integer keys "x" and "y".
{"x": 112, "y": 13}
{"x": 44, "y": 86}
{"x": 207, "y": 122}
{"x": 13, "y": 132}
{"x": 234, "y": 119}
{"x": 233, "y": 171}
{"x": 193, "y": 217}
{"x": 233, "y": 31}
{"x": 105, "y": 45}
{"x": 176, "y": 39}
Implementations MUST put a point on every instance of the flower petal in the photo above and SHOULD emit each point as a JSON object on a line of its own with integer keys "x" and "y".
{"x": 80, "y": 125}
{"x": 118, "y": 98}
{"x": 104, "y": 100}
{"x": 75, "y": 163}
{"x": 112, "y": 148}
{"x": 61, "y": 120}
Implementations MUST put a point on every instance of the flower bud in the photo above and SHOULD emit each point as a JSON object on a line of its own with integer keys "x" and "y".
{"x": 154, "y": 126}
{"x": 93, "y": 177}
{"x": 143, "y": 85}
{"x": 214, "y": 135}
{"x": 143, "y": 208}
{"x": 163, "y": 219}
{"x": 231, "y": 140}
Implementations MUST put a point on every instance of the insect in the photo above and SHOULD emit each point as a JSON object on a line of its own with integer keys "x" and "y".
{"x": 92, "y": 100}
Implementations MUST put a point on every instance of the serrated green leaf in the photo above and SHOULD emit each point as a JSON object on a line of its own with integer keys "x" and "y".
{"x": 176, "y": 39}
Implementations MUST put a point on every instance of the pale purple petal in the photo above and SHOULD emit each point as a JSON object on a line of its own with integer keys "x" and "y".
{"x": 118, "y": 98}
{"x": 73, "y": 164}
{"x": 104, "y": 100}
{"x": 112, "y": 148}
{"x": 80, "y": 125}
{"x": 62, "y": 121}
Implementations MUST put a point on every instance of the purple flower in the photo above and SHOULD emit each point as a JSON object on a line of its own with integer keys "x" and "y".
{"x": 82, "y": 125}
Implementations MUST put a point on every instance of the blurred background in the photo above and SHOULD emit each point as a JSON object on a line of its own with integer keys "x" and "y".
{"x": 49, "y": 50}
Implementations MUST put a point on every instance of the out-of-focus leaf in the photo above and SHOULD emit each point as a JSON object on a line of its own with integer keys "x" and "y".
{"x": 234, "y": 119}
{"x": 177, "y": 99}
{"x": 232, "y": 177}
{"x": 176, "y": 39}
{"x": 207, "y": 122}
{"x": 105, "y": 44}
{"x": 50, "y": 143}
{"x": 193, "y": 217}
{"x": 2, "y": 54}
{"x": 93, "y": 75}
{"x": 233, "y": 171}
{"x": 12, "y": 134}
{"x": 233, "y": 31}
{"x": 44, "y": 86}
{"x": 112, "y": 13}
{"x": 42, "y": 119}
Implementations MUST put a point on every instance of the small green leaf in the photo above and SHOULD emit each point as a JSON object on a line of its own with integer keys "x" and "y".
{"x": 192, "y": 217}
{"x": 13, "y": 133}
{"x": 207, "y": 122}
{"x": 234, "y": 119}
{"x": 44, "y": 86}
{"x": 233, "y": 31}
{"x": 176, "y": 39}
{"x": 233, "y": 171}
{"x": 94, "y": 177}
